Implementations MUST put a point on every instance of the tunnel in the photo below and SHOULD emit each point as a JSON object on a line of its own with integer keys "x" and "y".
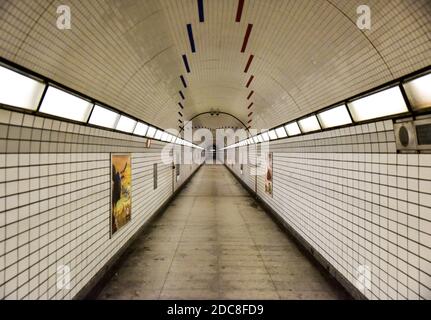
{"x": 215, "y": 150}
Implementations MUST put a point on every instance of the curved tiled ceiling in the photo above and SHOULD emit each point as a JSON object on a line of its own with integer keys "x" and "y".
{"x": 307, "y": 54}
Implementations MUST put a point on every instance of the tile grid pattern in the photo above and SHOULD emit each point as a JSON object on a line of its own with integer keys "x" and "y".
{"x": 308, "y": 54}
{"x": 55, "y": 201}
{"x": 358, "y": 208}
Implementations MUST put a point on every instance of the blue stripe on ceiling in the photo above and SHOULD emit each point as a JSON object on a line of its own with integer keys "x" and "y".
{"x": 192, "y": 40}
{"x": 186, "y": 63}
{"x": 201, "y": 10}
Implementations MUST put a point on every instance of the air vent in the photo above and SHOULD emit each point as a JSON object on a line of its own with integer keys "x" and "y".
{"x": 413, "y": 135}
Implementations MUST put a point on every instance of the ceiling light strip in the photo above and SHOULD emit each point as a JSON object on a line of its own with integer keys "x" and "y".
{"x": 60, "y": 102}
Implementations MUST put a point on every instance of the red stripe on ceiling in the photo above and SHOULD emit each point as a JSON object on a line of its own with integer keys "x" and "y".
{"x": 251, "y": 105}
{"x": 246, "y": 37}
{"x": 239, "y": 11}
{"x": 181, "y": 105}
{"x": 249, "y": 127}
{"x": 249, "y": 96}
{"x": 182, "y": 95}
{"x": 249, "y": 82}
{"x": 248, "y": 63}
{"x": 249, "y": 121}
{"x": 180, "y": 114}
{"x": 250, "y": 114}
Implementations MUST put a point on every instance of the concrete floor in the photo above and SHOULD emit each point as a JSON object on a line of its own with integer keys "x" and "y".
{"x": 215, "y": 242}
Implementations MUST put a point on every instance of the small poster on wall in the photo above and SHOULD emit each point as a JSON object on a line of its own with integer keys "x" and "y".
{"x": 178, "y": 171}
{"x": 121, "y": 191}
{"x": 268, "y": 175}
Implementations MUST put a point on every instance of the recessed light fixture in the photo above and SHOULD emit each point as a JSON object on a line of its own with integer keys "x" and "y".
{"x": 292, "y": 129}
{"x": 19, "y": 91}
{"x": 419, "y": 92}
{"x": 309, "y": 124}
{"x": 104, "y": 117}
{"x": 381, "y": 104}
{"x": 126, "y": 124}
{"x": 65, "y": 105}
{"x": 334, "y": 117}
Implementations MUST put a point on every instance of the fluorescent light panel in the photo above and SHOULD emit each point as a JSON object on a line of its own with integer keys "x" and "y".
{"x": 65, "y": 105}
{"x": 141, "y": 129}
{"x": 19, "y": 91}
{"x": 126, "y": 124}
{"x": 335, "y": 117}
{"x": 272, "y": 135}
{"x": 151, "y": 132}
{"x": 377, "y": 105}
{"x": 419, "y": 92}
{"x": 281, "y": 133}
{"x": 158, "y": 135}
{"x": 103, "y": 117}
{"x": 309, "y": 124}
{"x": 292, "y": 129}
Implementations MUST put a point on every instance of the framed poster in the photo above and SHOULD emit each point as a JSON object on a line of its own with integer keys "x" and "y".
{"x": 268, "y": 174}
{"x": 121, "y": 191}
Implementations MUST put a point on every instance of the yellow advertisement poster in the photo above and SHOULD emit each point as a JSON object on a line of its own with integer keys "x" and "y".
{"x": 121, "y": 191}
{"x": 268, "y": 175}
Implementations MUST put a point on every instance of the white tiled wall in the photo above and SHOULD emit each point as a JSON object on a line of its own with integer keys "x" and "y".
{"x": 55, "y": 203}
{"x": 357, "y": 202}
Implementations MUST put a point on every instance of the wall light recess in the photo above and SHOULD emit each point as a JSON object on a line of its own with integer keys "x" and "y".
{"x": 281, "y": 132}
{"x": 19, "y": 91}
{"x": 309, "y": 124}
{"x": 104, "y": 117}
{"x": 335, "y": 117}
{"x": 419, "y": 92}
{"x": 383, "y": 103}
{"x": 62, "y": 104}
{"x": 292, "y": 129}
